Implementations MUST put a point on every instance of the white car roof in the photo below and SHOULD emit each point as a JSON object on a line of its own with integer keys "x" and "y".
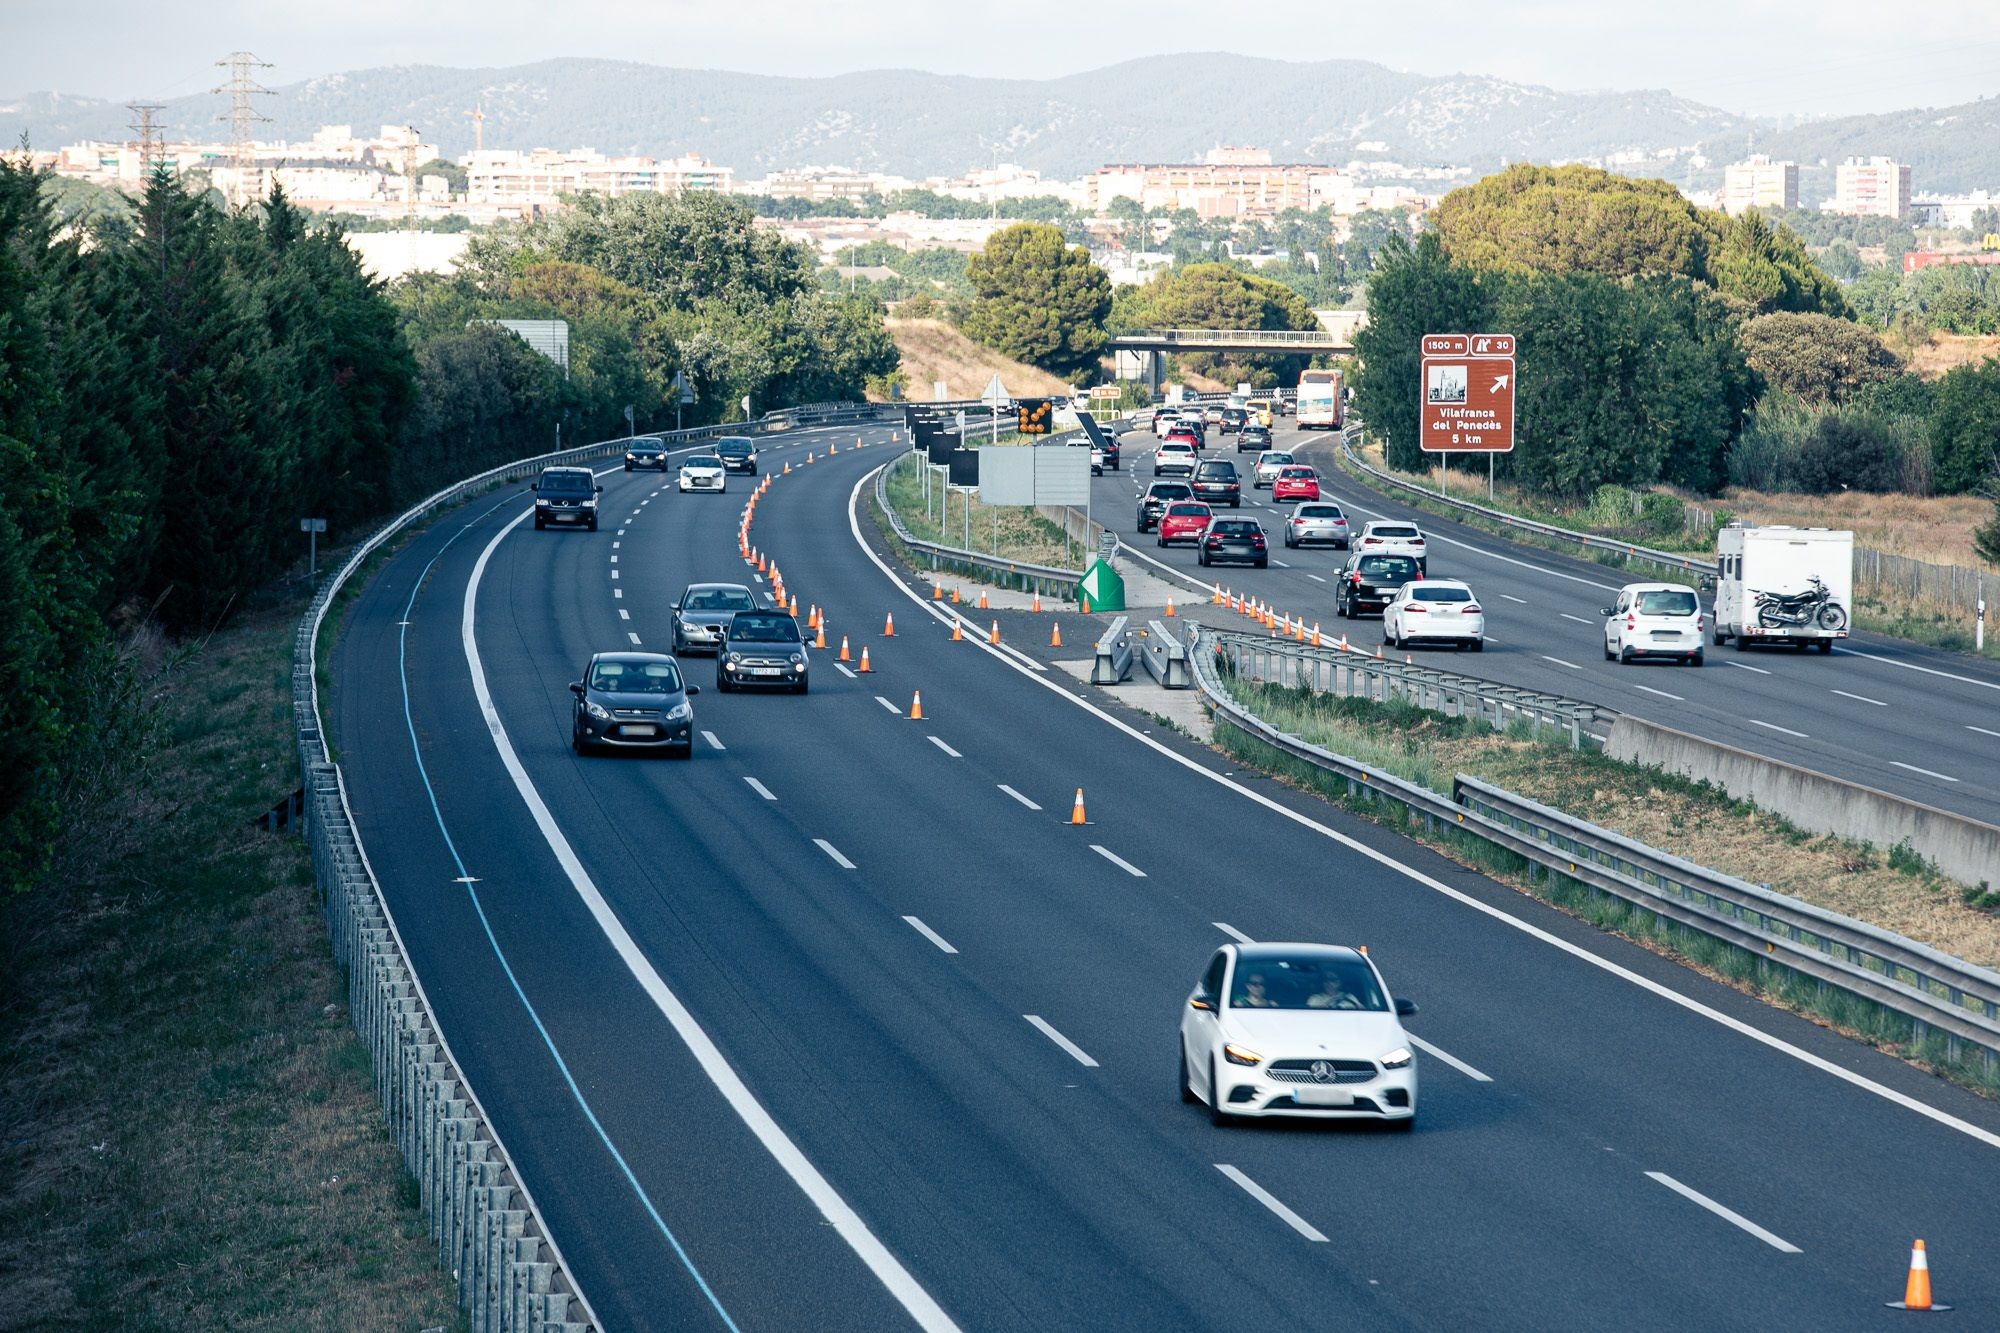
{"x": 1654, "y": 587}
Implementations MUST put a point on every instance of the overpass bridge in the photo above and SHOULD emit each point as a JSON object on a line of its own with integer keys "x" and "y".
{"x": 1282, "y": 342}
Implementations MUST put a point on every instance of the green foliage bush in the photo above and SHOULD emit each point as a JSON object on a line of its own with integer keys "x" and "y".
{"x": 1038, "y": 299}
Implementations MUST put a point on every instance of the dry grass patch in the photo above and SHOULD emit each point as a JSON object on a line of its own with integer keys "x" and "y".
{"x": 189, "y": 1136}
{"x": 933, "y": 350}
{"x": 1933, "y": 528}
{"x": 1010, "y": 532}
{"x": 1946, "y": 351}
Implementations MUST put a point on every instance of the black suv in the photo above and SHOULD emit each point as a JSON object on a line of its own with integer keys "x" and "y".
{"x": 1254, "y": 439}
{"x": 1156, "y": 499}
{"x": 1215, "y": 481}
{"x": 1369, "y": 582}
{"x": 761, "y": 648}
{"x": 566, "y": 497}
{"x": 738, "y": 454}
{"x": 645, "y": 452}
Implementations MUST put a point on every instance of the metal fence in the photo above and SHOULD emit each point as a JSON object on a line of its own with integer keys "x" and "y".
{"x": 1899, "y": 578}
{"x": 1938, "y": 994}
{"x": 511, "y": 1277}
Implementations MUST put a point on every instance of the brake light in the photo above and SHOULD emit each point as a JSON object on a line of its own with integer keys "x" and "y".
{"x": 1414, "y": 609}
{"x": 1357, "y": 578}
{"x": 1256, "y": 541}
{"x": 1472, "y": 610}
{"x": 1697, "y": 622}
{"x": 1631, "y": 622}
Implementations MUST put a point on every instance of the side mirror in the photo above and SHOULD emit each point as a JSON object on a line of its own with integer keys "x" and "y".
{"x": 576, "y": 688}
{"x": 693, "y": 690}
{"x": 1603, "y": 610}
{"x": 1404, "y": 1008}
{"x": 534, "y": 486}
{"x": 600, "y": 490}
{"x": 1203, "y": 1002}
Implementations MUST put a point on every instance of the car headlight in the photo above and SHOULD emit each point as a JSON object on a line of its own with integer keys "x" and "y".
{"x": 1237, "y": 1055}
{"x": 735, "y": 660}
{"x": 590, "y": 504}
{"x": 1397, "y": 1059}
{"x": 596, "y": 710}
{"x": 630, "y": 457}
{"x": 680, "y": 713}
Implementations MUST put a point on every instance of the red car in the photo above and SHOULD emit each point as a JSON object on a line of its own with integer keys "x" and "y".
{"x": 1184, "y": 521}
{"x": 1295, "y": 483}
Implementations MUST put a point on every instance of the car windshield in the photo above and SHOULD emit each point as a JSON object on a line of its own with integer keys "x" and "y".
{"x": 1306, "y": 983}
{"x": 721, "y": 599}
{"x": 1667, "y": 602}
{"x": 1178, "y": 441}
{"x": 763, "y": 629}
{"x": 1236, "y": 527}
{"x": 1297, "y": 474}
{"x": 1188, "y": 511}
{"x": 1174, "y": 491}
{"x": 1276, "y": 460}
{"x": 1387, "y": 567}
{"x": 635, "y": 678}
{"x": 733, "y": 448}
{"x": 1319, "y": 511}
{"x": 1432, "y": 592}
{"x": 567, "y": 483}
{"x": 649, "y": 447}
{"x": 1210, "y": 471}
{"x": 708, "y": 460}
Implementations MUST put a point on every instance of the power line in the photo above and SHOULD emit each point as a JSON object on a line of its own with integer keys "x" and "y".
{"x": 148, "y": 144}
{"x": 242, "y": 115}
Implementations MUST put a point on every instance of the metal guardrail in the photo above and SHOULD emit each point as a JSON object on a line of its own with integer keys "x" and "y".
{"x": 1042, "y": 578}
{"x": 511, "y": 1277}
{"x": 1165, "y": 656}
{"x": 1933, "y": 990}
{"x": 1315, "y": 339}
{"x": 1352, "y": 673}
{"x": 1666, "y": 559}
{"x": 1111, "y": 660}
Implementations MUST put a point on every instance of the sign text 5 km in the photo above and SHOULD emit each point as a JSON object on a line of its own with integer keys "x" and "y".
{"x": 1467, "y": 393}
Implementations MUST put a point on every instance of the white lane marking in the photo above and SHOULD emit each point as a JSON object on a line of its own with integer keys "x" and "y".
{"x": 1578, "y": 619}
{"x": 1519, "y": 601}
{"x": 1062, "y": 1041}
{"x": 1279, "y": 563}
{"x": 1981, "y": 730}
{"x": 1861, "y": 698}
{"x": 614, "y": 559}
{"x": 930, "y": 934}
{"x": 1742, "y": 667}
{"x": 1316, "y": 578}
{"x": 623, "y": 614}
{"x": 614, "y": 573}
{"x": 896, "y": 1279}
{"x": 633, "y": 637}
{"x": 842, "y": 669}
{"x": 886, "y": 704}
{"x": 1559, "y": 662}
{"x": 1730, "y": 1216}
{"x": 1495, "y": 555}
{"x": 760, "y": 789}
{"x": 833, "y": 852}
{"x": 1449, "y": 1059}
{"x": 618, "y": 592}
{"x": 616, "y": 545}
{"x": 1118, "y": 861}
{"x": 714, "y": 741}
{"x": 1264, "y": 1196}
{"x": 1941, "y": 777}
{"x": 1772, "y": 726}
{"x": 946, "y": 748}
{"x": 1437, "y": 886}
{"x": 621, "y": 532}
{"x": 1662, "y": 693}
{"x": 1232, "y": 932}
{"x": 1017, "y": 796}
{"x": 1928, "y": 671}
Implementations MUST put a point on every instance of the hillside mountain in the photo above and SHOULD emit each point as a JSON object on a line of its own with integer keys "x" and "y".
{"x": 1949, "y": 149}
{"x": 1154, "y": 109}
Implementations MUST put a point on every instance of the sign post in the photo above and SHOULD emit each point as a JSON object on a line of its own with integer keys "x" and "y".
{"x": 1466, "y": 397}
{"x": 312, "y": 527}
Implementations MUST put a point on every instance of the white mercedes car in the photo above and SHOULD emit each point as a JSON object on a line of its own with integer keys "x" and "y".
{"x": 704, "y": 472}
{"x": 1306, "y": 1030}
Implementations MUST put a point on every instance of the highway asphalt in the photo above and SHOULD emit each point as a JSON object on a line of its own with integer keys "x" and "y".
{"x": 1920, "y": 722}
{"x": 840, "y": 1025}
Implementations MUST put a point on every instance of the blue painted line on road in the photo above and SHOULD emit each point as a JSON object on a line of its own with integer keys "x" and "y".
{"x": 468, "y": 880}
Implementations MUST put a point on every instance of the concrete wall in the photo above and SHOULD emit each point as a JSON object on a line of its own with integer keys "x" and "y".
{"x": 1963, "y": 848}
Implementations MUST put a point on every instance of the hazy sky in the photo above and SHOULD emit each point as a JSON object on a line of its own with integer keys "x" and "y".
{"x": 1765, "y": 57}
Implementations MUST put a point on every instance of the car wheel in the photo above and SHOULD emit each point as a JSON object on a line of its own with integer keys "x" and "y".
{"x": 1187, "y": 1087}
{"x": 538, "y": 523}
{"x": 1263, "y": 562}
{"x": 681, "y": 751}
{"x": 1479, "y": 645}
{"x": 1388, "y": 634}
{"x": 1609, "y": 656}
{"x": 1625, "y": 657}
{"x": 1218, "y": 1117}
{"x": 1405, "y": 1125}
{"x": 593, "y": 525}
{"x": 577, "y": 742}
{"x": 1201, "y": 557}
{"x": 721, "y": 683}
{"x": 1826, "y": 645}
{"x": 1695, "y": 660}
{"x": 628, "y": 467}
{"x": 1162, "y": 540}
{"x": 803, "y": 686}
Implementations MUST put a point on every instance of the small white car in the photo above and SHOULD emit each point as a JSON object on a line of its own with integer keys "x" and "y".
{"x": 1269, "y": 464}
{"x": 1163, "y": 421}
{"x": 1383, "y": 537}
{"x": 1174, "y": 456}
{"x": 1306, "y": 1030}
{"x": 1654, "y": 620}
{"x": 704, "y": 472}
{"x": 1434, "y": 611}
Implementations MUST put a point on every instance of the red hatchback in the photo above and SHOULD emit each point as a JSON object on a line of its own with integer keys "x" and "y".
{"x": 1295, "y": 483}
{"x": 1184, "y": 521}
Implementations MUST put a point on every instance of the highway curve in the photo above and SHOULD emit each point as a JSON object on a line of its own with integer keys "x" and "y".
{"x": 1920, "y": 722}
{"x": 773, "y": 1034}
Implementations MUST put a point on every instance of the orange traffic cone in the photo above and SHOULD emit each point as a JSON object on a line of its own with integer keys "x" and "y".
{"x": 982, "y": 599}
{"x": 864, "y": 668}
{"x": 1217, "y": 598}
{"x": 1917, "y": 1289}
{"x": 1076, "y": 811}
{"x": 955, "y": 599}
{"x": 795, "y": 606}
{"x": 994, "y": 637}
{"x": 843, "y": 649}
{"x": 1315, "y": 637}
{"x": 1055, "y": 635}
{"x": 1170, "y": 606}
{"x": 889, "y": 626}
{"x": 812, "y": 616}
{"x": 788, "y": 467}
{"x": 757, "y": 557}
{"x": 832, "y": 448}
{"x": 917, "y": 706}
{"x": 1083, "y": 603}
{"x": 937, "y": 592}
{"x": 958, "y": 631}
{"x": 1036, "y": 605}
{"x": 820, "y": 640}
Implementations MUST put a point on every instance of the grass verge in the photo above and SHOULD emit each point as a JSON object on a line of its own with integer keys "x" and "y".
{"x": 1694, "y": 820}
{"x": 192, "y": 1137}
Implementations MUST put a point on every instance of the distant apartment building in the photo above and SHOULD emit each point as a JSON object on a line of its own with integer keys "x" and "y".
{"x": 1961, "y": 212}
{"x": 1870, "y": 187}
{"x": 821, "y": 184}
{"x": 1228, "y": 183}
{"x": 510, "y": 178}
{"x": 1758, "y": 182}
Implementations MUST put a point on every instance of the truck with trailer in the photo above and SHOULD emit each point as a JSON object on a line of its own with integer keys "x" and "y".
{"x": 1776, "y": 584}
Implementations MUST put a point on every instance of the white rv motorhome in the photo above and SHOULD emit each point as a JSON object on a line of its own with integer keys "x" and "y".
{"x": 1779, "y": 584}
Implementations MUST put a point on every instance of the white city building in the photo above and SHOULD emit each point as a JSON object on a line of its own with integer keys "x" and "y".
{"x": 1758, "y": 182}
{"x": 1870, "y": 187}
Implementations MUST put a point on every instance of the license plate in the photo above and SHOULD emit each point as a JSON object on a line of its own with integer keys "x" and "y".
{"x": 1316, "y": 1096}
{"x": 767, "y": 671}
{"x": 1666, "y": 634}
{"x": 639, "y": 730}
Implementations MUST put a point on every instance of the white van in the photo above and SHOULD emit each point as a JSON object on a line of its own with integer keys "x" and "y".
{"x": 1654, "y": 620}
{"x": 1778, "y": 584}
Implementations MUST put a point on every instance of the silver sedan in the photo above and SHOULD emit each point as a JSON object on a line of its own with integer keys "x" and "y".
{"x": 1316, "y": 521}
